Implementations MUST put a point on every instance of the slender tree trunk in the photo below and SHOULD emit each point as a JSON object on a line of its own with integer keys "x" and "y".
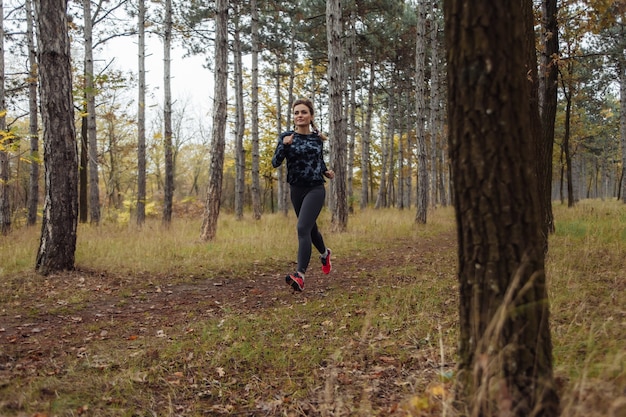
{"x": 401, "y": 158}
{"x": 214, "y": 194}
{"x": 5, "y": 143}
{"x": 282, "y": 189}
{"x": 391, "y": 134}
{"x": 434, "y": 106}
{"x": 505, "y": 349}
{"x": 33, "y": 122}
{"x": 566, "y": 149}
{"x": 141, "y": 113}
{"x": 57, "y": 245}
{"x": 352, "y": 112}
{"x": 408, "y": 156}
{"x": 547, "y": 106}
{"x": 365, "y": 141}
{"x": 94, "y": 187}
{"x": 622, "y": 119}
{"x": 381, "y": 196}
{"x": 240, "y": 124}
{"x": 83, "y": 175}
{"x": 420, "y": 94}
{"x": 254, "y": 94}
{"x": 168, "y": 191}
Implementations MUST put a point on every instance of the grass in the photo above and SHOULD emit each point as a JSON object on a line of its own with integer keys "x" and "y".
{"x": 379, "y": 350}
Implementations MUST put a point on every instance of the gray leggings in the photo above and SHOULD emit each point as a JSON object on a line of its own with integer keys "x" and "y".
{"x": 308, "y": 203}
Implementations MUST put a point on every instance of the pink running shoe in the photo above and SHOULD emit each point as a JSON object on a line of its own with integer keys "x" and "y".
{"x": 296, "y": 281}
{"x": 326, "y": 265}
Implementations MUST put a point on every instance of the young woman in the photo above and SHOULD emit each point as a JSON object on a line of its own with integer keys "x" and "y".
{"x": 303, "y": 150}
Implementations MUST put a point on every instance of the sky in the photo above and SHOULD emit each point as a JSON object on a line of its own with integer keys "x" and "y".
{"x": 191, "y": 82}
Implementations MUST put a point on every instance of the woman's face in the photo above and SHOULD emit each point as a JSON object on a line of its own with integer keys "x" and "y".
{"x": 302, "y": 115}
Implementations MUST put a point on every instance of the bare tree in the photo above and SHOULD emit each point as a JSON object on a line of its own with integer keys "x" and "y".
{"x": 505, "y": 347}
{"x": 57, "y": 245}
{"x": 214, "y": 194}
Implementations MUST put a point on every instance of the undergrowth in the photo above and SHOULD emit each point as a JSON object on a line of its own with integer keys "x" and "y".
{"x": 386, "y": 348}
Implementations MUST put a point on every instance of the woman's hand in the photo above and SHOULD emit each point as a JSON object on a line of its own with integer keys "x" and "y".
{"x": 330, "y": 174}
{"x": 288, "y": 140}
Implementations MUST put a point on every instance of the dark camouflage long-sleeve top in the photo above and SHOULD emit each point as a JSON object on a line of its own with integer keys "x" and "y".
{"x": 305, "y": 159}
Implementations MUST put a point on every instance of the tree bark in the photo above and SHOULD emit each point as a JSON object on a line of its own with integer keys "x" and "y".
{"x": 168, "y": 190}
{"x": 434, "y": 198}
{"x": 5, "y": 143}
{"x": 33, "y": 122}
{"x": 365, "y": 141}
{"x": 141, "y": 113}
{"x": 420, "y": 94}
{"x": 214, "y": 194}
{"x": 94, "y": 187}
{"x": 547, "y": 107}
{"x": 505, "y": 349}
{"x": 622, "y": 119}
{"x": 58, "y": 232}
{"x": 257, "y": 209}
{"x": 352, "y": 129}
{"x": 282, "y": 189}
{"x": 336, "y": 69}
{"x": 240, "y": 121}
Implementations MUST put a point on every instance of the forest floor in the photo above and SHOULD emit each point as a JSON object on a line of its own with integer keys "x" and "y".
{"x": 51, "y": 323}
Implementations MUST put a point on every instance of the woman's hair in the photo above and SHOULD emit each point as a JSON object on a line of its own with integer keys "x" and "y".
{"x": 309, "y": 104}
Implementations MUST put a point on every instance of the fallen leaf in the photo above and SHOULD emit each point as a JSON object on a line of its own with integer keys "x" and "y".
{"x": 438, "y": 390}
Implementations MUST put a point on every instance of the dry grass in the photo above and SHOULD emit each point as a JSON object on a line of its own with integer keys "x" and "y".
{"x": 385, "y": 349}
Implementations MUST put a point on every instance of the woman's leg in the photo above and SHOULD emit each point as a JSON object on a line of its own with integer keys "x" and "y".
{"x": 308, "y": 204}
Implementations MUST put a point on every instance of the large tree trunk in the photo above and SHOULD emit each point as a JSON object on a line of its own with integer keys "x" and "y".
{"x": 33, "y": 123}
{"x": 168, "y": 190}
{"x": 141, "y": 113}
{"x": 58, "y": 231}
{"x": 505, "y": 349}
{"x": 214, "y": 194}
{"x": 254, "y": 94}
{"x": 336, "y": 68}
{"x": 420, "y": 94}
{"x": 94, "y": 187}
